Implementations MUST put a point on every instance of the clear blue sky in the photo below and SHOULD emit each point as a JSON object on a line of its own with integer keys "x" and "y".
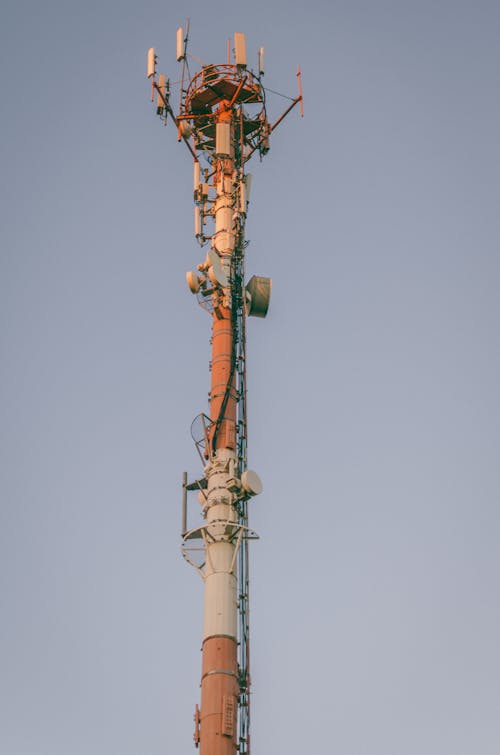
{"x": 373, "y": 383}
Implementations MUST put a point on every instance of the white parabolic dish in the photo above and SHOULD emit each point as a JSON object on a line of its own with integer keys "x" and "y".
{"x": 251, "y": 482}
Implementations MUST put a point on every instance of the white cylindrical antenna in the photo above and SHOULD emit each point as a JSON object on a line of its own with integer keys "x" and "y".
{"x": 222, "y": 139}
{"x": 180, "y": 43}
{"x": 248, "y": 185}
{"x": 243, "y": 196}
{"x": 261, "y": 61}
{"x": 184, "y": 503}
{"x": 240, "y": 49}
{"x": 161, "y": 95}
{"x": 151, "y": 62}
{"x": 197, "y": 222}
{"x": 196, "y": 178}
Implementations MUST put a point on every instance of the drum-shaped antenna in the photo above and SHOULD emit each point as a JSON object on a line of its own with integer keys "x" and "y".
{"x": 259, "y": 290}
{"x": 251, "y": 482}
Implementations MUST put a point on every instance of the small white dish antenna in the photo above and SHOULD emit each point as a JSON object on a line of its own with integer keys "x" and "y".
{"x": 186, "y": 129}
{"x": 193, "y": 282}
{"x": 216, "y": 272}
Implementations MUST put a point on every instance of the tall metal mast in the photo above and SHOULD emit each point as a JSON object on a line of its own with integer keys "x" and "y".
{"x": 223, "y": 121}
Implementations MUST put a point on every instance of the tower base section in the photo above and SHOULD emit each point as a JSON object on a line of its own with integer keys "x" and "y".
{"x": 219, "y": 697}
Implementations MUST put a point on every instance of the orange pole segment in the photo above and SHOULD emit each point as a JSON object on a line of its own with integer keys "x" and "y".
{"x": 217, "y": 720}
{"x": 222, "y": 337}
{"x": 219, "y": 697}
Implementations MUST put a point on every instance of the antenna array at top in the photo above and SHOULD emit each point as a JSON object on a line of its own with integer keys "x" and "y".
{"x": 232, "y": 86}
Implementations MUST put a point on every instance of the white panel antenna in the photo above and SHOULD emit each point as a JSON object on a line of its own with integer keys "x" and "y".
{"x": 248, "y": 185}
{"x": 261, "y": 62}
{"x": 151, "y": 62}
{"x": 240, "y": 49}
{"x": 197, "y": 221}
{"x": 243, "y": 197}
{"x": 196, "y": 177}
{"x": 181, "y": 53}
{"x": 161, "y": 93}
{"x": 222, "y": 139}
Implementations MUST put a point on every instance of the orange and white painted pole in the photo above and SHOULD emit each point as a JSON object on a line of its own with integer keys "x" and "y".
{"x": 219, "y": 681}
{"x": 223, "y": 121}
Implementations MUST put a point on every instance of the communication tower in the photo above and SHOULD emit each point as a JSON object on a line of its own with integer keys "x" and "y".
{"x": 223, "y": 121}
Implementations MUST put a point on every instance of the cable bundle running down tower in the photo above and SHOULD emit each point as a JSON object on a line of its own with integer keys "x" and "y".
{"x": 223, "y": 121}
